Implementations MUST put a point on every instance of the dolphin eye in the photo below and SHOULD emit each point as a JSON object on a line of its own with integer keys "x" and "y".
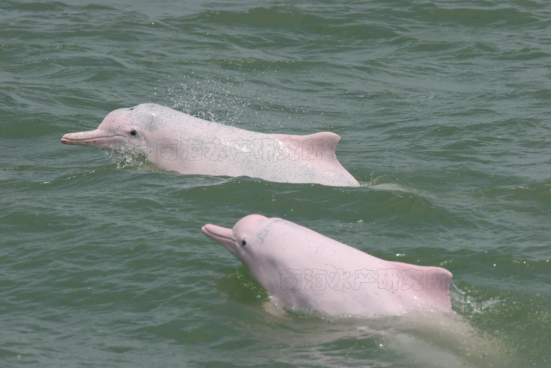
{"x": 133, "y": 132}
{"x": 243, "y": 243}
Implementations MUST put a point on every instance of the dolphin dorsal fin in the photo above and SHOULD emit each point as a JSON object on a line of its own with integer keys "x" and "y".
{"x": 425, "y": 282}
{"x": 315, "y": 153}
{"x": 317, "y": 146}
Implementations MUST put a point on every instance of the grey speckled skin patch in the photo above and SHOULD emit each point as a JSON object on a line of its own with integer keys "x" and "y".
{"x": 114, "y": 115}
{"x": 149, "y": 122}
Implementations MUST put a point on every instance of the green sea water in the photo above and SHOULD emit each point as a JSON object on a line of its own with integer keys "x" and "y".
{"x": 444, "y": 113}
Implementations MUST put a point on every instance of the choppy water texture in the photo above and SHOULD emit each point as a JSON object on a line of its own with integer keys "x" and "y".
{"x": 444, "y": 113}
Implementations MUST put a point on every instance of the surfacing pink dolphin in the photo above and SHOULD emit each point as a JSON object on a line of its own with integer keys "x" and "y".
{"x": 303, "y": 269}
{"x": 179, "y": 142}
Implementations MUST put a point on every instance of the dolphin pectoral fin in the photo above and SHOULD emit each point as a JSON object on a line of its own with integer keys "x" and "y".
{"x": 274, "y": 310}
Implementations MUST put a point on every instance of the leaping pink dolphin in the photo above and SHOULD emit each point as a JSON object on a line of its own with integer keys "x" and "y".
{"x": 179, "y": 142}
{"x": 307, "y": 270}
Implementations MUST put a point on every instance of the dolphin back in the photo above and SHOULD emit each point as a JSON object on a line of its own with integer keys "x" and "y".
{"x": 349, "y": 281}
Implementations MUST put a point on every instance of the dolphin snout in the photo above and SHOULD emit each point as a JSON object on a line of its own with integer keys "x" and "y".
{"x": 96, "y": 138}
{"x": 68, "y": 138}
{"x": 82, "y": 137}
{"x": 222, "y": 235}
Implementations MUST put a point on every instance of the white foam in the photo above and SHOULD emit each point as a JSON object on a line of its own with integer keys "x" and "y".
{"x": 388, "y": 186}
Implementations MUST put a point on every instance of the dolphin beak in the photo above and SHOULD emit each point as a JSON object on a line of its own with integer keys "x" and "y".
{"x": 222, "y": 235}
{"x": 95, "y": 138}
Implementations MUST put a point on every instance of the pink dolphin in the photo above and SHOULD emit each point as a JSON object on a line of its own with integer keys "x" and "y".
{"x": 307, "y": 270}
{"x": 179, "y": 142}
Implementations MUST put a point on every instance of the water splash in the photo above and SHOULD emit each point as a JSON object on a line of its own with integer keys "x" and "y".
{"x": 212, "y": 98}
{"x": 133, "y": 157}
{"x": 467, "y": 304}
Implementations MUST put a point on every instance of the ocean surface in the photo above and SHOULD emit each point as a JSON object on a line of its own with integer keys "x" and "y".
{"x": 444, "y": 113}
